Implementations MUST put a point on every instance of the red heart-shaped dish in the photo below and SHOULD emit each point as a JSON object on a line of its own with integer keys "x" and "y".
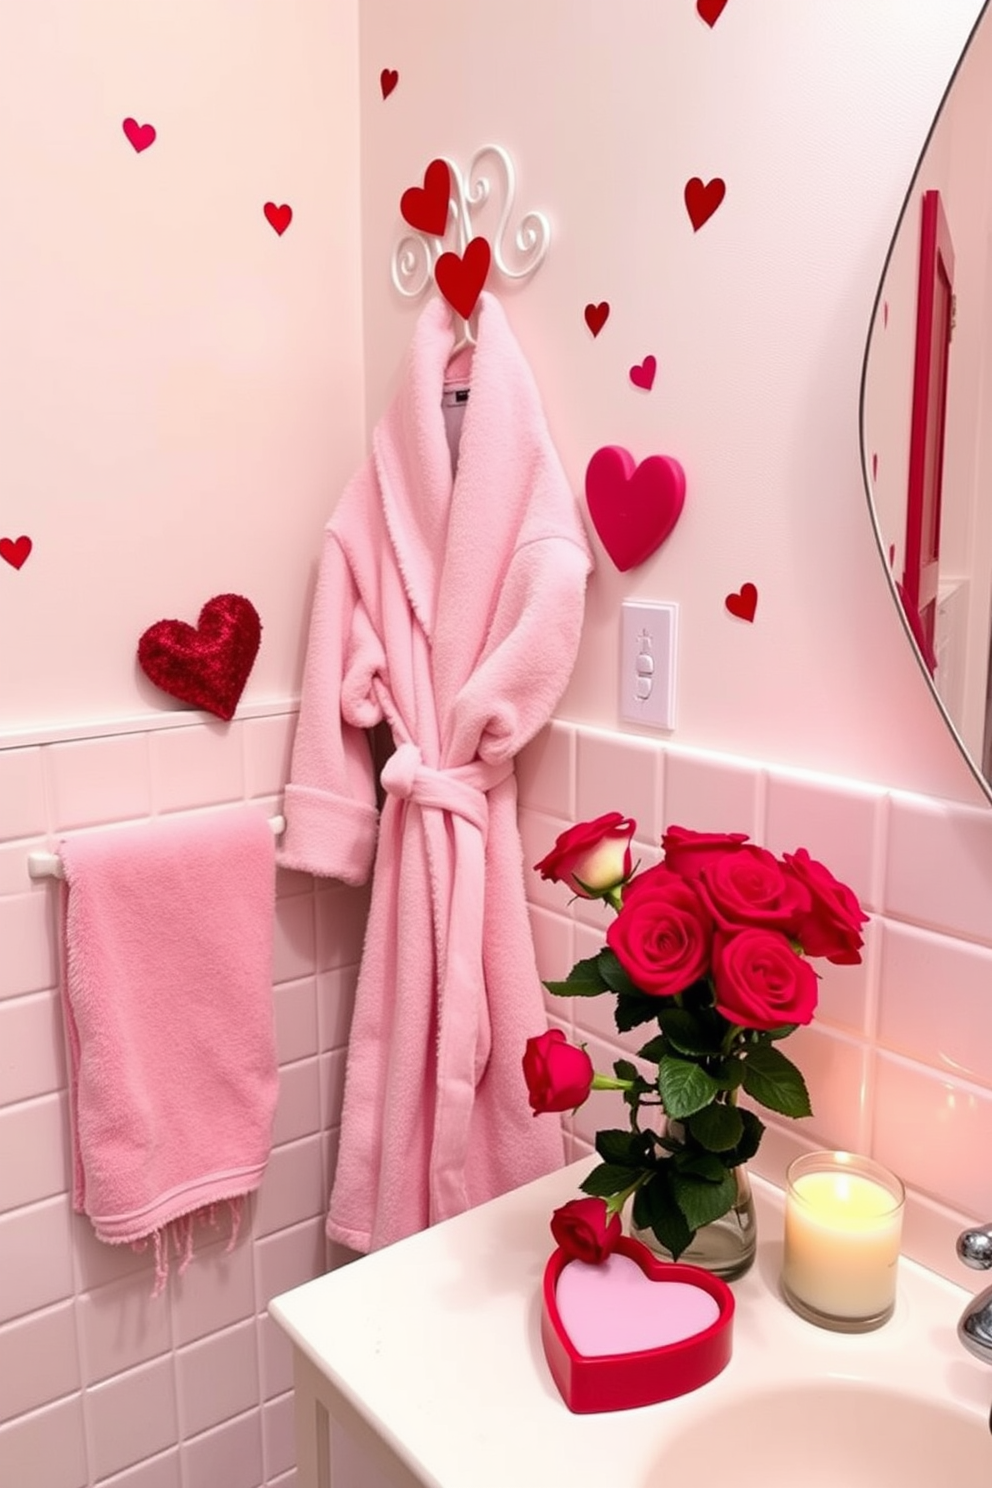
{"x": 206, "y": 665}
{"x": 627, "y": 1378}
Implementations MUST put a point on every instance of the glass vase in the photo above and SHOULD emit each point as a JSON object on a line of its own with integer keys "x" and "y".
{"x": 727, "y": 1246}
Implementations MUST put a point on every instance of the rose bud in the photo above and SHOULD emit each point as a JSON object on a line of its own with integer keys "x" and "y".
{"x": 593, "y": 857}
{"x": 585, "y": 1230}
{"x": 559, "y": 1076}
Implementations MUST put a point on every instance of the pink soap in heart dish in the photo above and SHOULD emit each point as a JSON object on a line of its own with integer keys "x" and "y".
{"x": 633, "y": 1330}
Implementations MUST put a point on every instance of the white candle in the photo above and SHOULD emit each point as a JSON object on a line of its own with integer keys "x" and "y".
{"x": 842, "y": 1234}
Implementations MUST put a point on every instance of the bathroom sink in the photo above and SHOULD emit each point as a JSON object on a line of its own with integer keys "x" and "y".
{"x": 833, "y": 1434}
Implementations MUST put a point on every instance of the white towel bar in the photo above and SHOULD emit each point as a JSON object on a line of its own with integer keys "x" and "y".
{"x": 49, "y": 865}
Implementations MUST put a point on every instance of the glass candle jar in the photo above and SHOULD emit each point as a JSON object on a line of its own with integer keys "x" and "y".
{"x": 843, "y": 1227}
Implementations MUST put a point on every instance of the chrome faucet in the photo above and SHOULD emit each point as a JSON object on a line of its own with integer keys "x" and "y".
{"x": 975, "y": 1325}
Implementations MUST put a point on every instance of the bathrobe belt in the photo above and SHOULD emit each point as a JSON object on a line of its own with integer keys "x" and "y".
{"x": 456, "y": 861}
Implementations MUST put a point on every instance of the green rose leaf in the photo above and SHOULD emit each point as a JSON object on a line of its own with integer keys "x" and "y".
{"x": 704, "y": 1165}
{"x": 729, "y": 1073}
{"x": 623, "y": 1148}
{"x": 702, "y": 1202}
{"x": 633, "y": 1009}
{"x": 583, "y": 980}
{"x": 749, "y": 1143}
{"x": 613, "y": 973}
{"x": 716, "y": 1127}
{"x": 655, "y": 1209}
{"x": 684, "y": 1087}
{"x": 774, "y": 1081}
{"x": 654, "y": 1050}
{"x": 606, "y": 1180}
{"x": 690, "y": 1033}
{"x": 781, "y": 1033}
{"x": 624, "y": 1070}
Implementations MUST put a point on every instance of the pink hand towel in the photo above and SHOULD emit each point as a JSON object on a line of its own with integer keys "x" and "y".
{"x": 167, "y": 999}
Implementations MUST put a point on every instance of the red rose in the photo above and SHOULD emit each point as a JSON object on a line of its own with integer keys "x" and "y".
{"x": 662, "y": 933}
{"x": 592, "y": 857}
{"x": 688, "y": 852}
{"x": 760, "y": 981}
{"x": 583, "y": 1231}
{"x": 832, "y": 927}
{"x": 751, "y": 887}
{"x": 558, "y": 1075}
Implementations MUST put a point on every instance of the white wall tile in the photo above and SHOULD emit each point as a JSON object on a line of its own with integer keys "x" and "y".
{"x": 38, "y": 1360}
{"x": 131, "y": 1416}
{"x": 546, "y": 771}
{"x": 217, "y": 1378}
{"x": 293, "y": 1187}
{"x": 93, "y": 781}
{"x": 939, "y": 865}
{"x": 34, "y": 1140}
{"x": 298, "y": 1109}
{"x": 340, "y": 917}
{"x": 216, "y": 1291}
{"x": 268, "y": 745}
{"x": 620, "y": 772}
{"x": 278, "y": 1436}
{"x": 45, "y": 1448}
{"x": 35, "y": 1258}
{"x": 335, "y": 1005}
{"x": 22, "y": 793}
{"x": 936, "y": 1133}
{"x": 197, "y": 766}
{"x": 836, "y": 823}
{"x": 32, "y": 1047}
{"x": 936, "y": 1001}
{"x": 121, "y": 1325}
{"x": 29, "y": 958}
{"x": 294, "y": 942}
{"x": 707, "y": 793}
{"x": 160, "y": 1471}
{"x": 230, "y": 1455}
{"x": 296, "y": 1019}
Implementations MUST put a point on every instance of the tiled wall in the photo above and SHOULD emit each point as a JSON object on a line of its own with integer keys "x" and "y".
{"x": 99, "y": 1383}
{"x": 899, "y": 1057}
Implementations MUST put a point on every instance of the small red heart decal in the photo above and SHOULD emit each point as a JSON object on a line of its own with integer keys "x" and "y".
{"x": 633, "y": 507}
{"x": 388, "y": 78}
{"x": 597, "y": 316}
{"x": 744, "y": 603}
{"x": 278, "y": 217}
{"x": 139, "y": 135}
{"x": 642, "y": 374}
{"x": 206, "y": 665}
{"x": 702, "y": 199}
{"x": 15, "y": 550}
{"x": 460, "y": 280}
{"x": 710, "y": 10}
{"x": 426, "y": 207}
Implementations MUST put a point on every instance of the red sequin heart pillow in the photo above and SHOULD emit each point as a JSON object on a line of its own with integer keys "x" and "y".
{"x": 208, "y": 664}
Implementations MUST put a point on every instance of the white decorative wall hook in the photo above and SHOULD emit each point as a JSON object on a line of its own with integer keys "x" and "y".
{"x": 447, "y": 206}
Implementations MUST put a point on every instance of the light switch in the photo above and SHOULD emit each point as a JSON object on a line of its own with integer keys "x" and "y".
{"x": 647, "y": 663}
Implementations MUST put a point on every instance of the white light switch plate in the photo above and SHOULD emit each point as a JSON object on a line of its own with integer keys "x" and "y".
{"x": 647, "y": 663}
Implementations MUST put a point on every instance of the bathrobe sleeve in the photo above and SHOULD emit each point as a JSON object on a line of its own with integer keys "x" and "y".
{"x": 330, "y": 805}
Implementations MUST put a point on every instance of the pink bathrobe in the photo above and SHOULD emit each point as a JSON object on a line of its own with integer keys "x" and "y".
{"x": 451, "y": 609}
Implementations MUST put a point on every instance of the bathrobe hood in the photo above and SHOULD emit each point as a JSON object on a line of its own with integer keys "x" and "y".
{"x": 449, "y": 606}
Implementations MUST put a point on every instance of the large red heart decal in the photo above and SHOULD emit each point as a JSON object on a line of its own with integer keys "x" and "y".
{"x": 426, "y": 207}
{"x": 633, "y": 507}
{"x": 15, "y": 550}
{"x": 208, "y": 664}
{"x": 460, "y": 280}
{"x": 702, "y": 199}
{"x": 632, "y": 1330}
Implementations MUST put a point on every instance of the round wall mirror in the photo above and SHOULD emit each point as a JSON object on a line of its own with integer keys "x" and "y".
{"x": 926, "y": 409}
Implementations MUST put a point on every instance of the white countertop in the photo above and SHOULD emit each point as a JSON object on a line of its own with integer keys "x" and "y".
{"x": 436, "y": 1343}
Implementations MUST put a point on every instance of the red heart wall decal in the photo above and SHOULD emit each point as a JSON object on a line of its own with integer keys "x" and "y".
{"x": 460, "y": 280}
{"x": 642, "y": 374}
{"x": 702, "y": 199}
{"x": 15, "y": 550}
{"x": 278, "y": 217}
{"x": 597, "y": 316}
{"x": 388, "y": 78}
{"x": 426, "y": 207}
{"x": 633, "y": 507}
{"x": 710, "y": 10}
{"x": 206, "y": 665}
{"x": 139, "y": 135}
{"x": 744, "y": 603}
